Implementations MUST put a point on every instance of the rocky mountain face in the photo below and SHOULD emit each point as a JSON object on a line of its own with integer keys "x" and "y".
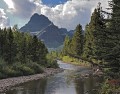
{"x": 50, "y": 34}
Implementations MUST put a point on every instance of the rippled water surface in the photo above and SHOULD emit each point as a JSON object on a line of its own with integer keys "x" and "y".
{"x": 67, "y": 82}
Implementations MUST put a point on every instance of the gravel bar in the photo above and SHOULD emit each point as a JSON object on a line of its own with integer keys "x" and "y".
{"x": 6, "y": 84}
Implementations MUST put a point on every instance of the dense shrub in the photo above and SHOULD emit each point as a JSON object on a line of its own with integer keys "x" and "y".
{"x": 36, "y": 67}
{"x": 1, "y": 75}
{"x": 8, "y": 71}
{"x": 53, "y": 64}
{"x": 109, "y": 87}
{"x": 25, "y": 70}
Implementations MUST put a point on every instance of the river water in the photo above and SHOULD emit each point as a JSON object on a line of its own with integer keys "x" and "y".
{"x": 68, "y": 82}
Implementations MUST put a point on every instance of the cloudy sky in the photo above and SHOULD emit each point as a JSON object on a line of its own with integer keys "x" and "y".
{"x": 63, "y": 13}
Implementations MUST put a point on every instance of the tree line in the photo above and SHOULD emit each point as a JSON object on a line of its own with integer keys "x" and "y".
{"x": 100, "y": 42}
{"x": 21, "y": 47}
{"x": 21, "y": 54}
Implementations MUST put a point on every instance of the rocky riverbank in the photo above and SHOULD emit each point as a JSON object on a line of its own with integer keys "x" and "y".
{"x": 95, "y": 72}
{"x": 6, "y": 84}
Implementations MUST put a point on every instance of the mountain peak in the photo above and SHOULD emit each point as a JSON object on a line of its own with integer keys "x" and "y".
{"x": 51, "y": 35}
{"x": 42, "y": 18}
{"x": 36, "y": 15}
{"x": 37, "y": 22}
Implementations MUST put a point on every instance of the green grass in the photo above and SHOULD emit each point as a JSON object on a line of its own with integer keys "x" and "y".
{"x": 75, "y": 61}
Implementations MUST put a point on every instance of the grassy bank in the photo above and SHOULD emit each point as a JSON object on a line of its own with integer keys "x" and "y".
{"x": 24, "y": 69}
{"x": 75, "y": 61}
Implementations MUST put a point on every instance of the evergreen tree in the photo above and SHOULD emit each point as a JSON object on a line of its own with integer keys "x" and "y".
{"x": 76, "y": 45}
{"x": 9, "y": 47}
{"x": 95, "y": 35}
{"x": 38, "y": 51}
{"x": 21, "y": 47}
{"x": 34, "y": 49}
{"x": 66, "y": 46}
{"x": 113, "y": 38}
{"x": 19, "y": 51}
{"x": 3, "y": 41}
{"x": 23, "y": 50}
{"x": 42, "y": 52}
{"x": 87, "y": 50}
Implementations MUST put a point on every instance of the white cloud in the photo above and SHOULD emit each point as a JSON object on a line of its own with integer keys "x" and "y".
{"x": 71, "y": 13}
{"x": 21, "y": 8}
{"x": 4, "y": 21}
{"x": 66, "y": 15}
{"x": 9, "y": 3}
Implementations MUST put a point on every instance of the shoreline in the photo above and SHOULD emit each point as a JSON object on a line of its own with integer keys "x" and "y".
{"x": 94, "y": 71}
{"x": 6, "y": 84}
{"x": 76, "y": 64}
{"x": 75, "y": 61}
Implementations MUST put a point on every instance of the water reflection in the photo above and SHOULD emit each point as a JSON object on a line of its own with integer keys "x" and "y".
{"x": 67, "y": 82}
{"x": 79, "y": 86}
{"x": 33, "y": 87}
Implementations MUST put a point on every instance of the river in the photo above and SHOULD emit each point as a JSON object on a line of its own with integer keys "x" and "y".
{"x": 68, "y": 82}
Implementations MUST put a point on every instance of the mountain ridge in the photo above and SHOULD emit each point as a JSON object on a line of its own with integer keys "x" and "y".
{"x": 50, "y": 34}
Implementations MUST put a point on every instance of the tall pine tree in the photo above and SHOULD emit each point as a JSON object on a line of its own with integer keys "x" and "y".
{"x": 66, "y": 46}
{"x": 10, "y": 49}
{"x": 76, "y": 44}
{"x": 95, "y": 35}
{"x": 113, "y": 38}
